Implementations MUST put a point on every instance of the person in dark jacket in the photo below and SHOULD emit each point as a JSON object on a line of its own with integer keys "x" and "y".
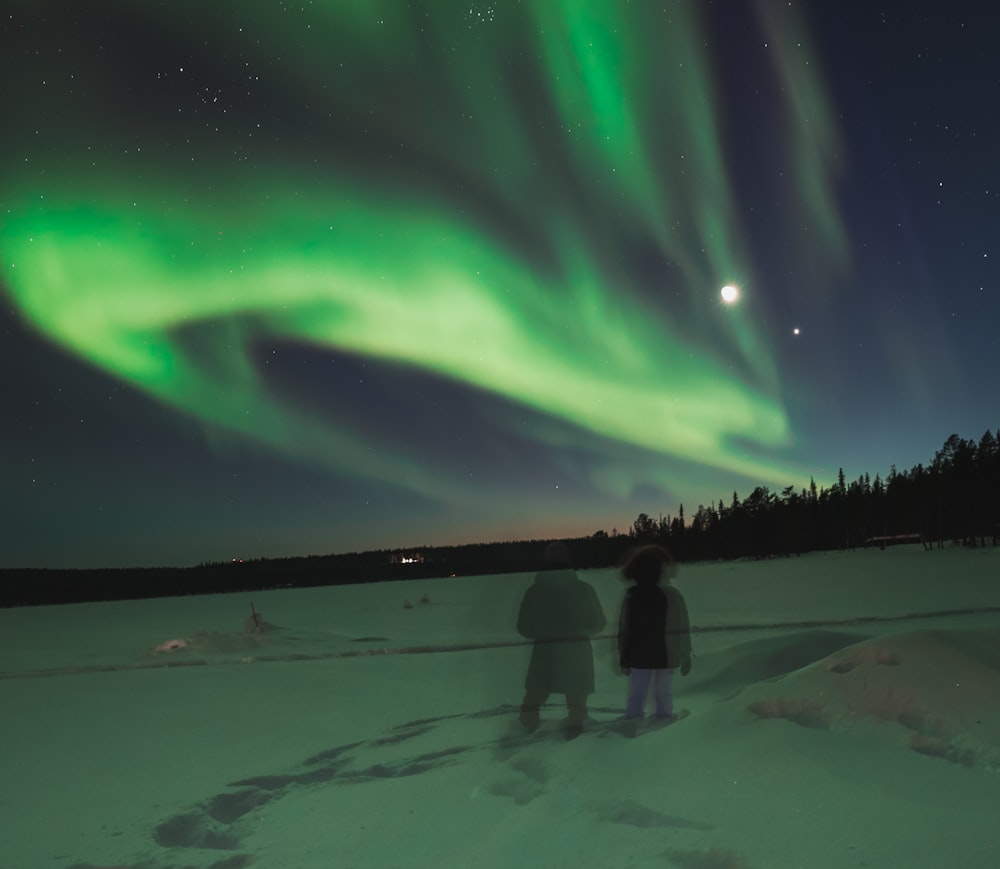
{"x": 654, "y": 636}
{"x": 560, "y": 612}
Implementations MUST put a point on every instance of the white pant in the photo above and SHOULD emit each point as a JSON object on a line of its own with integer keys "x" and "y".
{"x": 638, "y": 687}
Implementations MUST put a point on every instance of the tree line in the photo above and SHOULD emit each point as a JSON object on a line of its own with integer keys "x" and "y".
{"x": 954, "y": 499}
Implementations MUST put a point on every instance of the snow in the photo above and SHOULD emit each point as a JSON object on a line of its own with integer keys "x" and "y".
{"x": 844, "y": 710}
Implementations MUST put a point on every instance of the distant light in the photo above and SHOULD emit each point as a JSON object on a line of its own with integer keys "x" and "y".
{"x": 796, "y": 331}
{"x": 730, "y": 294}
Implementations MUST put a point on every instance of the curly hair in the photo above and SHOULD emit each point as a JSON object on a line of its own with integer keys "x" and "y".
{"x": 646, "y": 564}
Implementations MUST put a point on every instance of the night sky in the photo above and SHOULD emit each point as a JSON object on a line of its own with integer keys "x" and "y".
{"x": 297, "y": 278}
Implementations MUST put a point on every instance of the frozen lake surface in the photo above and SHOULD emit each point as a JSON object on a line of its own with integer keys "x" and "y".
{"x": 843, "y": 712}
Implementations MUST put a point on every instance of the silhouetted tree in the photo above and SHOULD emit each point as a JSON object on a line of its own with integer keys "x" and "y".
{"x": 956, "y": 498}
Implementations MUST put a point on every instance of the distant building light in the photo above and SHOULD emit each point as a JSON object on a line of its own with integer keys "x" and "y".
{"x": 400, "y": 558}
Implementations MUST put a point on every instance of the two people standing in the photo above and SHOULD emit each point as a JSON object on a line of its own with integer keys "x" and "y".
{"x": 561, "y": 613}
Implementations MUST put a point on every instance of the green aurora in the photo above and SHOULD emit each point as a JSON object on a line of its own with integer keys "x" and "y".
{"x": 164, "y": 271}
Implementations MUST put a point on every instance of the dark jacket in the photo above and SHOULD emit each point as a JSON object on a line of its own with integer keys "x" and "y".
{"x": 653, "y": 628}
{"x": 561, "y": 613}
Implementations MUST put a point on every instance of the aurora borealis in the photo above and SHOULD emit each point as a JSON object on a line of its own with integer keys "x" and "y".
{"x": 328, "y": 276}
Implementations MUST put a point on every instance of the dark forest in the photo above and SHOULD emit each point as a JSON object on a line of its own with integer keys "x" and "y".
{"x": 953, "y": 500}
